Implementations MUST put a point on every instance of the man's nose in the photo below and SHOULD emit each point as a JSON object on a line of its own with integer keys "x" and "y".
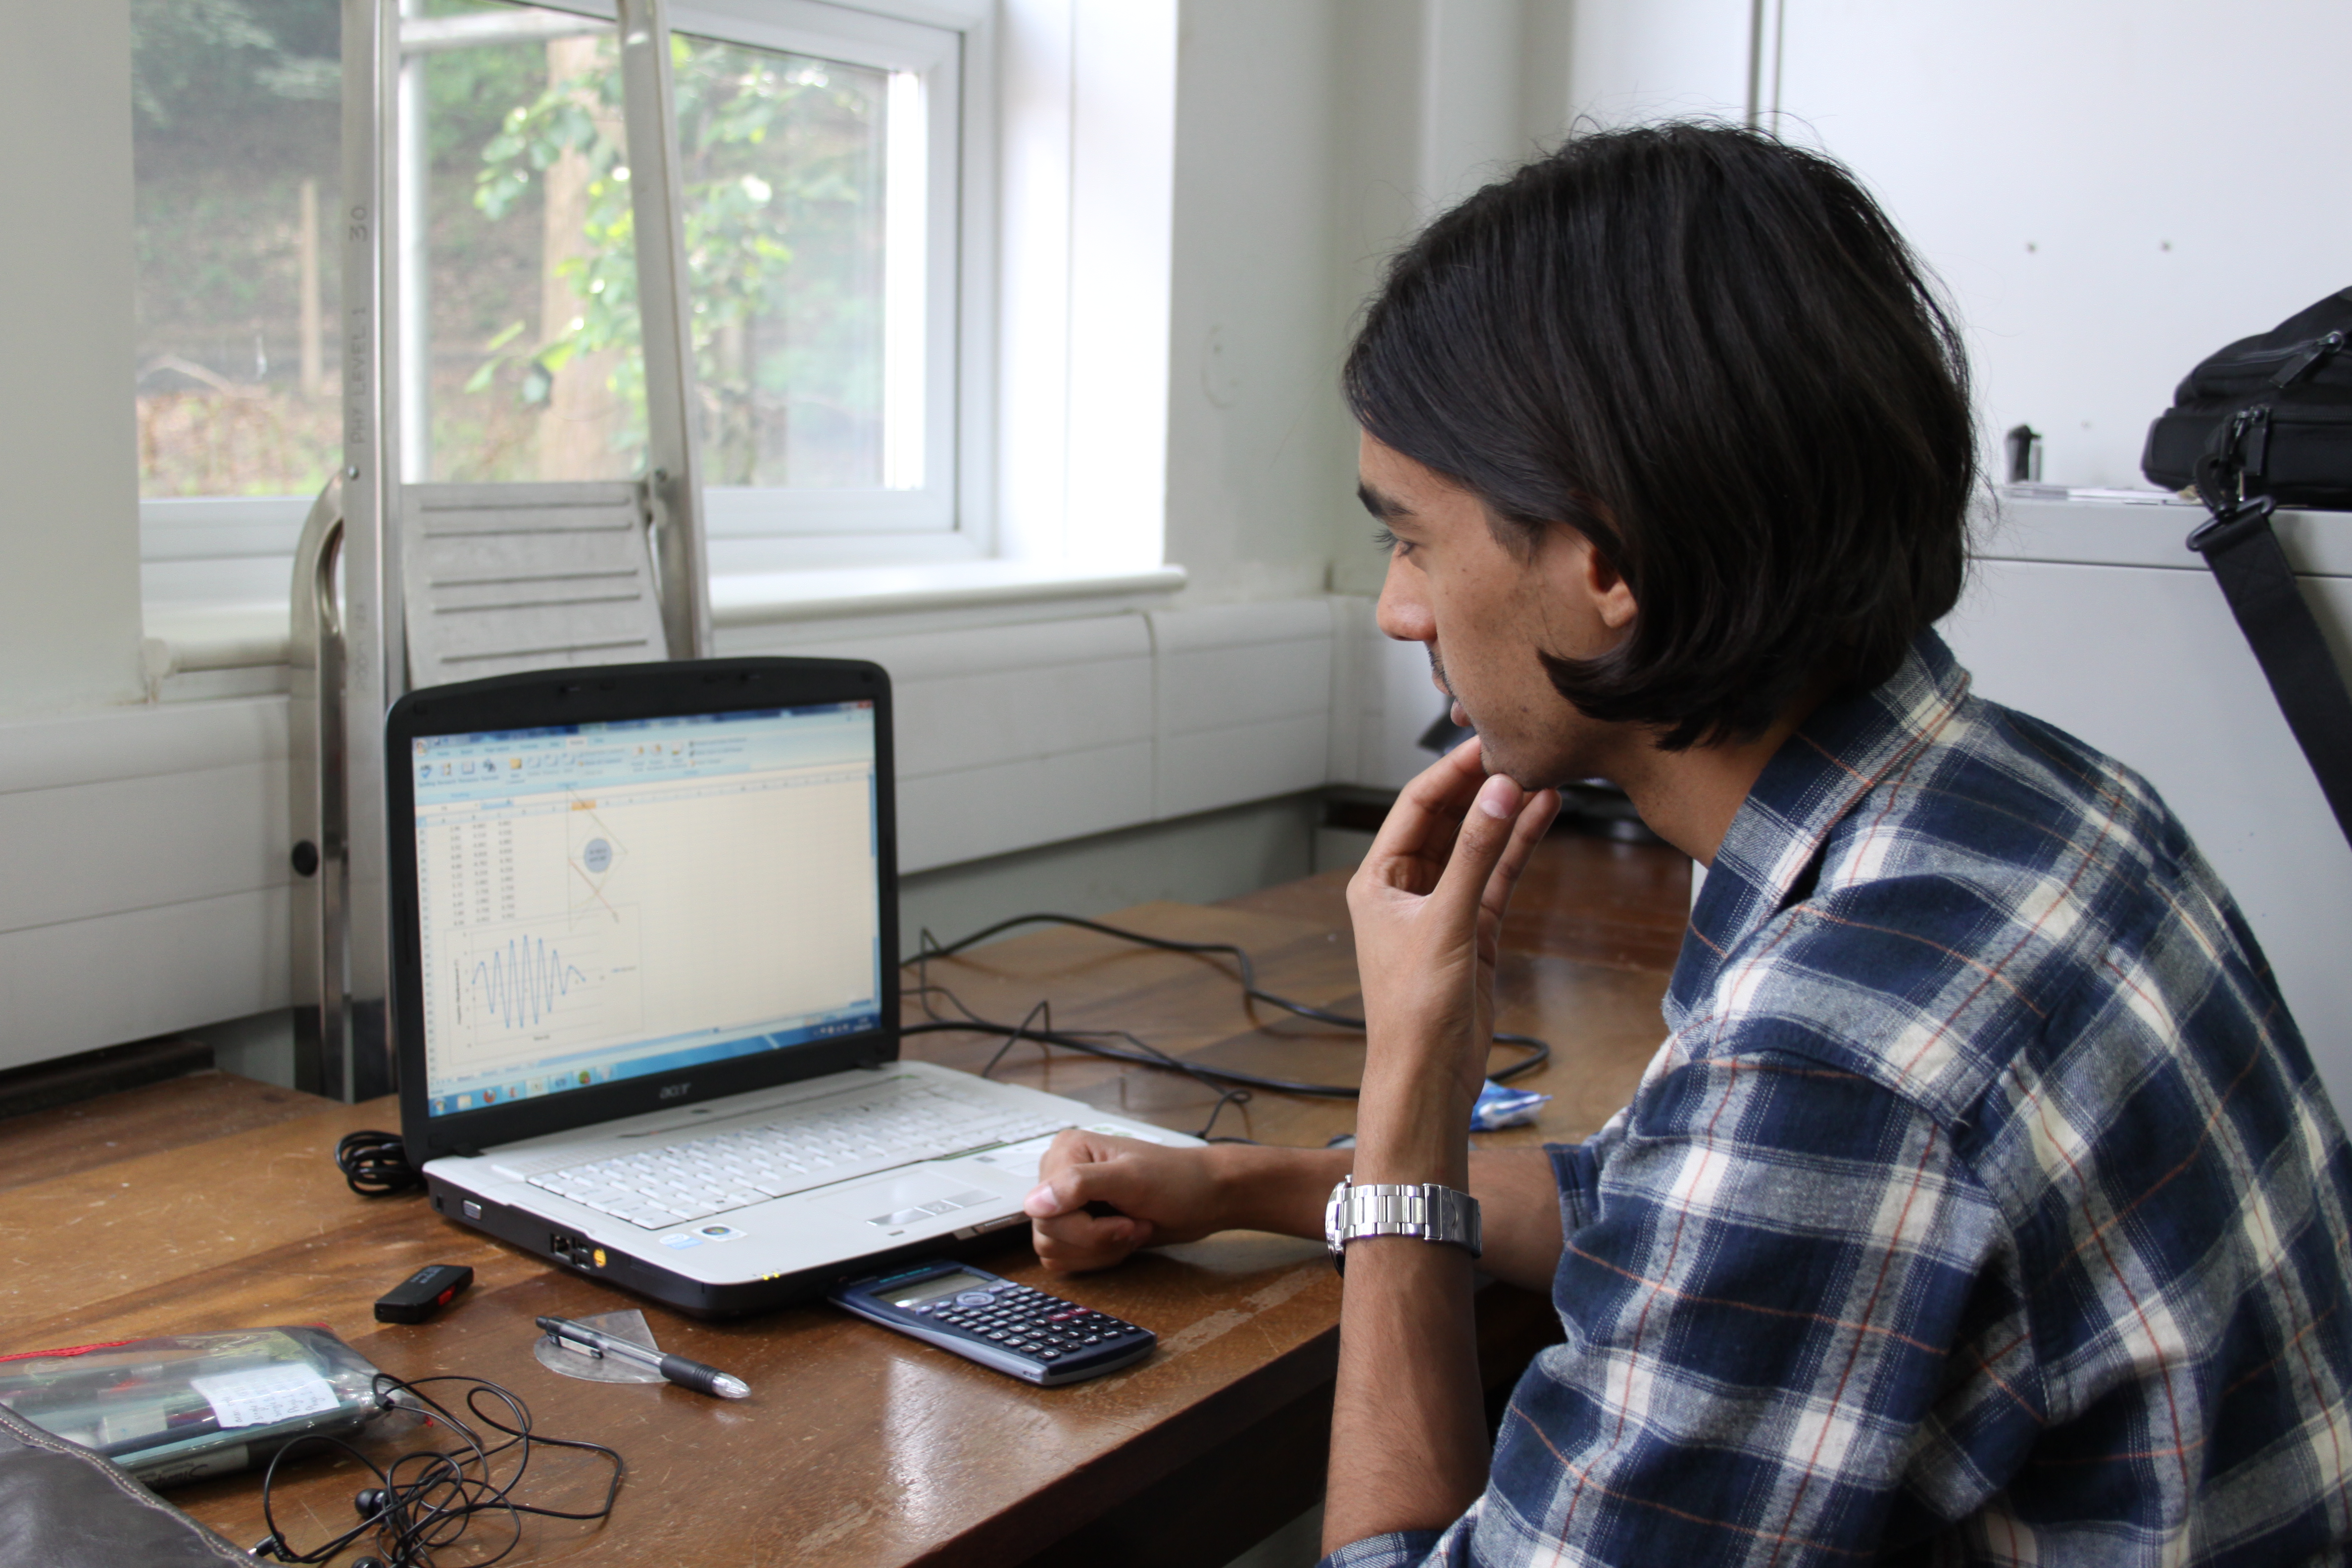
{"x": 1403, "y": 612}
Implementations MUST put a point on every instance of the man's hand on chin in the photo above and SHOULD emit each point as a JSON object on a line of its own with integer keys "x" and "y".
{"x": 1427, "y": 905}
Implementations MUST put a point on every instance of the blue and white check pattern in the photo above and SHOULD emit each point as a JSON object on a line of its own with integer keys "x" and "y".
{"x": 1981, "y": 1207}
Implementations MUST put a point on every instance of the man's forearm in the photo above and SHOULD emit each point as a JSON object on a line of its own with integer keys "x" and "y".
{"x": 1262, "y": 1187}
{"x": 1408, "y": 1443}
{"x": 1284, "y": 1191}
{"x": 1408, "y": 1430}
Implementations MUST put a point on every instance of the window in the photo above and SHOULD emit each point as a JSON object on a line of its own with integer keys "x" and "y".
{"x": 809, "y": 225}
{"x": 235, "y": 145}
{"x": 833, "y": 405}
{"x": 235, "y": 121}
{"x": 821, "y": 149}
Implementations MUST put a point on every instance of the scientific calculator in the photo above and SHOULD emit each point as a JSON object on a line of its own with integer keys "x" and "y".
{"x": 1018, "y": 1331}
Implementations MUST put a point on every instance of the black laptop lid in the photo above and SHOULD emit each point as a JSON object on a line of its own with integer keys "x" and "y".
{"x": 620, "y": 889}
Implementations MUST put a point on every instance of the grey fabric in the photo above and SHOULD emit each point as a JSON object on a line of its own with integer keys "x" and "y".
{"x": 62, "y": 1506}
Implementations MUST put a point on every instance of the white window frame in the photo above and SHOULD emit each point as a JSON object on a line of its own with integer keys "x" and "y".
{"x": 189, "y": 543}
{"x": 777, "y": 528}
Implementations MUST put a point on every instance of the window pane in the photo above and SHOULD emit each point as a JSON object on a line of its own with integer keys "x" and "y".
{"x": 791, "y": 253}
{"x": 512, "y": 145}
{"x": 536, "y": 367}
{"x": 235, "y": 144}
{"x": 804, "y": 208}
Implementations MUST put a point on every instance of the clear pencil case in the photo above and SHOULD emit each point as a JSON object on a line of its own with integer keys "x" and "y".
{"x": 188, "y": 1405}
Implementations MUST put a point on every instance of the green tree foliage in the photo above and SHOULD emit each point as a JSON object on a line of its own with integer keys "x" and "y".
{"x": 233, "y": 104}
{"x": 233, "y": 107}
{"x": 215, "y": 59}
{"x": 781, "y": 155}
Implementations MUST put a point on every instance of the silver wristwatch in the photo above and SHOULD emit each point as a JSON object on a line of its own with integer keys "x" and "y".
{"x": 1426, "y": 1210}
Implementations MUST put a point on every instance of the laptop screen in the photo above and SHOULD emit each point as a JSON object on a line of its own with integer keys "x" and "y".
{"x": 605, "y": 901}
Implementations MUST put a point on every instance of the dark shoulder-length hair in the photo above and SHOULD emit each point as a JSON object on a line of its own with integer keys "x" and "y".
{"x": 1711, "y": 354}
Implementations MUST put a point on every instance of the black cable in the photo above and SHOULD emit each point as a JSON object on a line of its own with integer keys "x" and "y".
{"x": 1231, "y": 1097}
{"x": 375, "y": 1165}
{"x": 1089, "y": 1040}
{"x": 1092, "y": 1042}
{"x": 1020, "y": 1030}
{"x": 427, "y": 1500}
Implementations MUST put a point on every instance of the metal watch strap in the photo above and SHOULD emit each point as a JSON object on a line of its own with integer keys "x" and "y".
{"x": 1424, "y": 1211}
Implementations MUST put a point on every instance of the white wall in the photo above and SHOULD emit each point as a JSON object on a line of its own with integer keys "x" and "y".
{"x": 68, "y": 510}
{"x": 1631, "y": 60}
{"x": 1195, "y": 859}
{"x": 1313, "y": 138}
{"x": 1432, "y": 98}
{"x": 2110, "y": 189}
{"x": 1257, "y": 447}
{"x": 2101, "y": 220}
{"x": 149, "y": 888}
{"x": 1088, "y": 113}
{"x": 1469, "y": 70}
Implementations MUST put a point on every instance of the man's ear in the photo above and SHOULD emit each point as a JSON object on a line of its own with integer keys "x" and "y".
{"x": 1610, "y": 595}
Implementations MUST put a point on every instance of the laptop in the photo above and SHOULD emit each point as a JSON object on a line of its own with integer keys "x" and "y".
{"x": 645, "y": 986}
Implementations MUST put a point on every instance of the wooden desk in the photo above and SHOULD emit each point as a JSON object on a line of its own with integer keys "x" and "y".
{"x": 212, "y": 1202}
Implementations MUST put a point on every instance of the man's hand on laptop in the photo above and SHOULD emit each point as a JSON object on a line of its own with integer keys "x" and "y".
{"x": 1098, "y": 1197}
{"x": 1160, "y": 1195}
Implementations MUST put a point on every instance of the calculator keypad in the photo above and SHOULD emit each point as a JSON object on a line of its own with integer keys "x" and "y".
{"x": 1027, "y": 1321}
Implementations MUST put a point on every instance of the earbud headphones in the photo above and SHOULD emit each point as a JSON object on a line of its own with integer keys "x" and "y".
{"x": 424, "y": 1501}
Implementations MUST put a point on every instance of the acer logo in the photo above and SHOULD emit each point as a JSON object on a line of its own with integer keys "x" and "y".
{"x": 672, "y": 1090}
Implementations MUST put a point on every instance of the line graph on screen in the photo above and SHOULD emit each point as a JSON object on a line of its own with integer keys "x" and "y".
{"x": 530, "y": 984}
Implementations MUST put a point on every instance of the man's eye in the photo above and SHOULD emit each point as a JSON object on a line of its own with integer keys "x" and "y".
{"x": 1389, "y": 543}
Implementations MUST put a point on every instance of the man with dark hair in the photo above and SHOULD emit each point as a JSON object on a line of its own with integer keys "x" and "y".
{"x": 1982, "y": 1204}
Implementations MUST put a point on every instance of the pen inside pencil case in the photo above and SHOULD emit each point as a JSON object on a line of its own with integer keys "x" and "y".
{"x": 177, "y": 1406}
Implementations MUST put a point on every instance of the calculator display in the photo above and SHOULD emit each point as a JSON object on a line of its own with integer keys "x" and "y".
{"x": 1012, "y": 1328}
{"x": 944, "y": 1285}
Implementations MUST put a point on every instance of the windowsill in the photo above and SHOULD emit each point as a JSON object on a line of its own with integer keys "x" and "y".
{"x": 767, "y": 598}
{"x": 182, "y": 637}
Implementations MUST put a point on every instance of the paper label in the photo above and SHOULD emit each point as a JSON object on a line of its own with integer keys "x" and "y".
{"x": 265, "y": 1395}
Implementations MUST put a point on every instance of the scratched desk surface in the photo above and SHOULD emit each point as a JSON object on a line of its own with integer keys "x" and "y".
{"x": 213, "y": 1203}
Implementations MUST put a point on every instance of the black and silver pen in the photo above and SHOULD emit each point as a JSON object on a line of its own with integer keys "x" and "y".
{"x": 685, "y": 1373}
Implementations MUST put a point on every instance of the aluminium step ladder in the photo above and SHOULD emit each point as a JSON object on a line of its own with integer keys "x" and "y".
{"x": 440, "y": 582}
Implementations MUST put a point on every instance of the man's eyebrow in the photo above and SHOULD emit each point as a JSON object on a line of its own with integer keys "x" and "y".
{"x": 1388, "y": 509}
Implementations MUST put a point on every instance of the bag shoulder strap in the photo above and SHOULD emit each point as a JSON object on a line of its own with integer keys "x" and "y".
{"x": 2237, "y": 543}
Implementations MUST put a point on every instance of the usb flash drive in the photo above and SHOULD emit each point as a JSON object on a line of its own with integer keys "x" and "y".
{"x": 423, "y": 1294}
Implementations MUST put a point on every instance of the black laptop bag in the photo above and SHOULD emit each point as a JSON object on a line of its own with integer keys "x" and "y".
{"x": 62, "y": 1506}
{"x": 2264, "y": 423}
{"x": 2277, "y": 406}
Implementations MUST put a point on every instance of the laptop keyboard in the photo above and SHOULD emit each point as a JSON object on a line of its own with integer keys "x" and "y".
{"x": 665, "y": 1186}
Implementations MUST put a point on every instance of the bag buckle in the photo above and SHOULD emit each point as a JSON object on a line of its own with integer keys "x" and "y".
{"x": 2236, "y": 450}
{"x": 2250, "y": 508}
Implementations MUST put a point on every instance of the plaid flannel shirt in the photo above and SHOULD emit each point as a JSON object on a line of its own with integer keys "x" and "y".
{"x": 1981, "y": 1207}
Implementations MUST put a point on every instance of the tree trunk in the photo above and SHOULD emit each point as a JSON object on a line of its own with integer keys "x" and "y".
{"x": 585, "y": 415}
